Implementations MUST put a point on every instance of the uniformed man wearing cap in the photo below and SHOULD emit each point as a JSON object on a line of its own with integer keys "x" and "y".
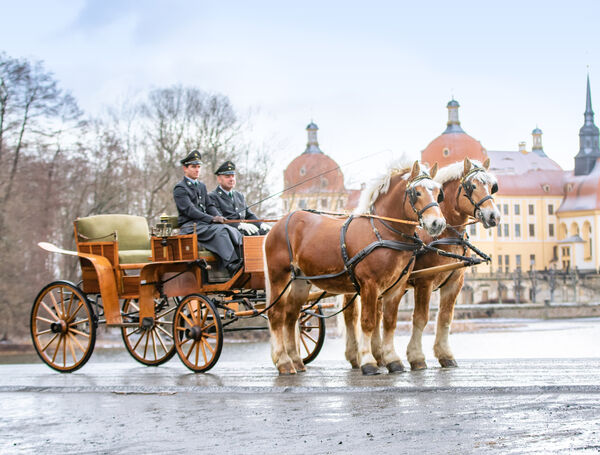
{"x": 196, "y": 209}
{"x": 232, "y": 204}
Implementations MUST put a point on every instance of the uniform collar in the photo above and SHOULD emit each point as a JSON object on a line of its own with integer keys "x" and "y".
{"x": 224, "y": 190}
{"x": 194, "y": 182}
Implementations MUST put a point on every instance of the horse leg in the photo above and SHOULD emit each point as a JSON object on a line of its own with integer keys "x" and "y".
{"x": 376, "y": 340}
{"x": 441, "y": 346}
{"x": 368, "y": 317}
{"x": 351, "y": 314}
{"x": 391, "y": 359}
{"x": 414, "y": 350}
{"x": 277, "y": 315}
{"x": 296, "y": 298}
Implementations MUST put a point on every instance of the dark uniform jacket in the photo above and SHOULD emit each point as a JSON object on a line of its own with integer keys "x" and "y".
{"x": 232, "y": 208}
{"x": 195, "y": 209}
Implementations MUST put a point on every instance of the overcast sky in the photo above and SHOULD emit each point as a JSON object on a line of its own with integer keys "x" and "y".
{"x": 375, "y": 76}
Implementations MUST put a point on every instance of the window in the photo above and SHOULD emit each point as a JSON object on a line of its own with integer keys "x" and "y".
{"x": 532, "y": 230}
{"x": 505, "y": 230}
{"x": 499, "y": 230}
{"x": 446, "y": 152}
{"x": 532, "y": 260}
{"x": 531, "y": 209}
{"x": 302, "y": 203}
{"x": 500, "y": 260}
{"x": 473, "y": 229}
{"x": 550, "y": 209}
{"x": 518, "y": 260}
{"x": 517, "y": 209}
{"x": 517, "y": 230}
{"x": 505, "y": 209}
{"x": 506, "y": 262}
{"x": 302, "y": 170}
{"x": 551, "y": 230}
{"x": 323, "y": 203}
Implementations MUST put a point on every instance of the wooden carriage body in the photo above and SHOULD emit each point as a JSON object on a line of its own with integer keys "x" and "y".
{"x": 120, "y": 259}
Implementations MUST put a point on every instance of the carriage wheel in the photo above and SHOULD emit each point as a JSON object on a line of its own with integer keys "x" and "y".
{"x": 153, "y": 346}
{"x": 312, "y": 334}
{"x": 198, "y": 333}
{"x": 63, "y": 327}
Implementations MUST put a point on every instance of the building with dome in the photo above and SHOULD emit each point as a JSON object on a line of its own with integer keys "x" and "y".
{"x": 550, "y": 217}
{"x": 315, "y": 180}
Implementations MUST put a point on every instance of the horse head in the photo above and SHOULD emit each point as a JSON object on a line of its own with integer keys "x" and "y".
{"x": 477, "y": 187}
{"x": 423, "y": 195}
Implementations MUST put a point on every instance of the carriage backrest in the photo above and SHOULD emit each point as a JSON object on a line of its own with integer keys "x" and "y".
{"x": 130, "y": 232}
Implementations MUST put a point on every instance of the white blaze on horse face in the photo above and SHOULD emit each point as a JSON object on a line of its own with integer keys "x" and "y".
{"x": 432, "y": 219}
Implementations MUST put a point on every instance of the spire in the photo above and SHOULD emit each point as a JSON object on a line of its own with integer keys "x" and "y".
{"x": 313, "y": 145}
{"x": 537, "y": 147}
{"x": 453, "y": 125}
{"x": 589, "y": 151}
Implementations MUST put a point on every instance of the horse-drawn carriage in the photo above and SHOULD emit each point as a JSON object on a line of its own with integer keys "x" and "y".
{"x": 164, "y": 294}
{"x": 167, "y": 297}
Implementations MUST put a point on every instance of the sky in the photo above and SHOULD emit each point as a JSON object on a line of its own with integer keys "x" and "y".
{"x": 374, "y": 76}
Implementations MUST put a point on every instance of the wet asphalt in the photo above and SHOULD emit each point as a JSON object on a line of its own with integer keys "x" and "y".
{"x": 494, "y": 405}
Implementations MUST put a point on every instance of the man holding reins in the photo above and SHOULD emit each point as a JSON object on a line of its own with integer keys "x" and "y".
{"x": 197, "y": 210}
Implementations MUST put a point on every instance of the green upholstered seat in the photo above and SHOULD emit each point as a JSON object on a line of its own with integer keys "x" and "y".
{"x": 132, "y": 235}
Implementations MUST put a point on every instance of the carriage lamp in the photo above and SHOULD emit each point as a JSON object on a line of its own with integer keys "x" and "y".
{"x": 163, "y": 229}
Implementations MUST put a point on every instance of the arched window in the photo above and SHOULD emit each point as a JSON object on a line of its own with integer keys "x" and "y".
{"x": 562, "y": 231}
{"x": 587, "y": 238}
{"x": 574, "y": 230}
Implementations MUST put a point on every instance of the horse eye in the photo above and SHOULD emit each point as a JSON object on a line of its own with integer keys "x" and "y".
{"x": 418, "y": 193}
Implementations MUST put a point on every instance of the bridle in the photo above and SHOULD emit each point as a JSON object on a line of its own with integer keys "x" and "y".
{"x": 411, "y": 193}
{"x": 467, "y": 185}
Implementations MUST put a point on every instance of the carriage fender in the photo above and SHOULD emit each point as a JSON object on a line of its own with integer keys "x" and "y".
{"x": 106, "y": 280}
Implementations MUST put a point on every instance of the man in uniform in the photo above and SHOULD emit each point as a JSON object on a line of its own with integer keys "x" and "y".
{"x": 232, "y": 204}
{"x": 196, "y": 209}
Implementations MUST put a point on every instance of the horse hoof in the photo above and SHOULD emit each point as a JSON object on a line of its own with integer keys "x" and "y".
{"x": 369, "y": 370}
{"x": 448, "y": 363}
{"x": 286, "y": 370}
{"x": 418, "y": 365}
{"x": 395, "y": 366}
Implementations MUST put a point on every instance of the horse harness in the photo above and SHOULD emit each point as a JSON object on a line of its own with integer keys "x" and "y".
{"x": 467, "y": 185}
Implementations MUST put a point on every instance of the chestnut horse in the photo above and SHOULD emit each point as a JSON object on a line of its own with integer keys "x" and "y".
{"x": 348, "y": 257}
{"x": 468, "y": 189}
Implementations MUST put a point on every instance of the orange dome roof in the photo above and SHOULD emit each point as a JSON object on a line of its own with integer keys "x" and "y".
{"x": 306, "y": 167}
{"x": 452, "y": 147}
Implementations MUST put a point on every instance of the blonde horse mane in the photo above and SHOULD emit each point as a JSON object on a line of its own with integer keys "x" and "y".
{"x": 455, "y": 171}
{"x": 381, "y": 184}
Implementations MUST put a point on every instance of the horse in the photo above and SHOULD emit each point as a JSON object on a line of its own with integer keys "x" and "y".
{"x": 349, "y": 257}
{"x": 471, "y": 188}
{"x": 468, "y": 188}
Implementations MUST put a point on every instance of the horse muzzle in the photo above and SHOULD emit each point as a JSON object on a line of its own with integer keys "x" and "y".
{"x": 489, "y": 218}
{"x": 434, "y": 225}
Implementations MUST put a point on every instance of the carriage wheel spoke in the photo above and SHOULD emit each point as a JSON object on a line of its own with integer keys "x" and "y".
{"x": 64, "y": 350}
{"x": 138, "y": 342}
{"x": 304, "y": 343}
{"x": 39, "y": 318}
{"x": 81, "y": 321}
{"x": 55, "y": 304}
{"x": 57, "y": 348}
{"x": 72, "y": 317}
{"x": 43, "y": 332}
{"x": 62, "y": 301}
{"x": 210, "y": 335}
{"x": 204, "y": 353}
{"x": 162, "y": 315}
{"x": 162, "y": 343}
{"x": 192, "y": 314}
{"x": 168, "y": 334}
{"x": 308, "y": 336}
{"x": 197, "y": 353}
{"x": 78, "y": 332}
{"x": 68, "y": 339}
{"x": 50, "y": 312}
{"x": 132, "y": 303}
{"x": 190, "y": 323}
{"x": 154, "y": 345}
{"x": 191, "y": 349}
{"x": 68, "y": 313}
{"x": 133, "y": 332}
{"x": 210, "y": 348}
{"x": 208, "y": 326}
{"x": 76, "y": 341}
{"x": 146, "y": 344}
{"x": 49, "y": 342}
{"x": 185, "y": 341}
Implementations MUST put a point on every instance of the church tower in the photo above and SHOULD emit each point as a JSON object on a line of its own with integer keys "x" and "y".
{"x": 588, "y": 139}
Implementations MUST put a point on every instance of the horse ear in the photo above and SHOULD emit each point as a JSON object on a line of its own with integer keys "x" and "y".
{"x": 467, "y": 165}
{"x": 486, "y": 164}
{"x": 416, "y": 169}
{"x": 433, "y": 170}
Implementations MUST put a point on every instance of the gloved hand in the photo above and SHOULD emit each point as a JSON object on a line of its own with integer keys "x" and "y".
{"x": 265, "y": 227}
{"x": 247, "y": 228}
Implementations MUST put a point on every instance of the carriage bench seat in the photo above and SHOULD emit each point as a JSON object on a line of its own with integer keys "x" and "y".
{"x": 130, "y": 232}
